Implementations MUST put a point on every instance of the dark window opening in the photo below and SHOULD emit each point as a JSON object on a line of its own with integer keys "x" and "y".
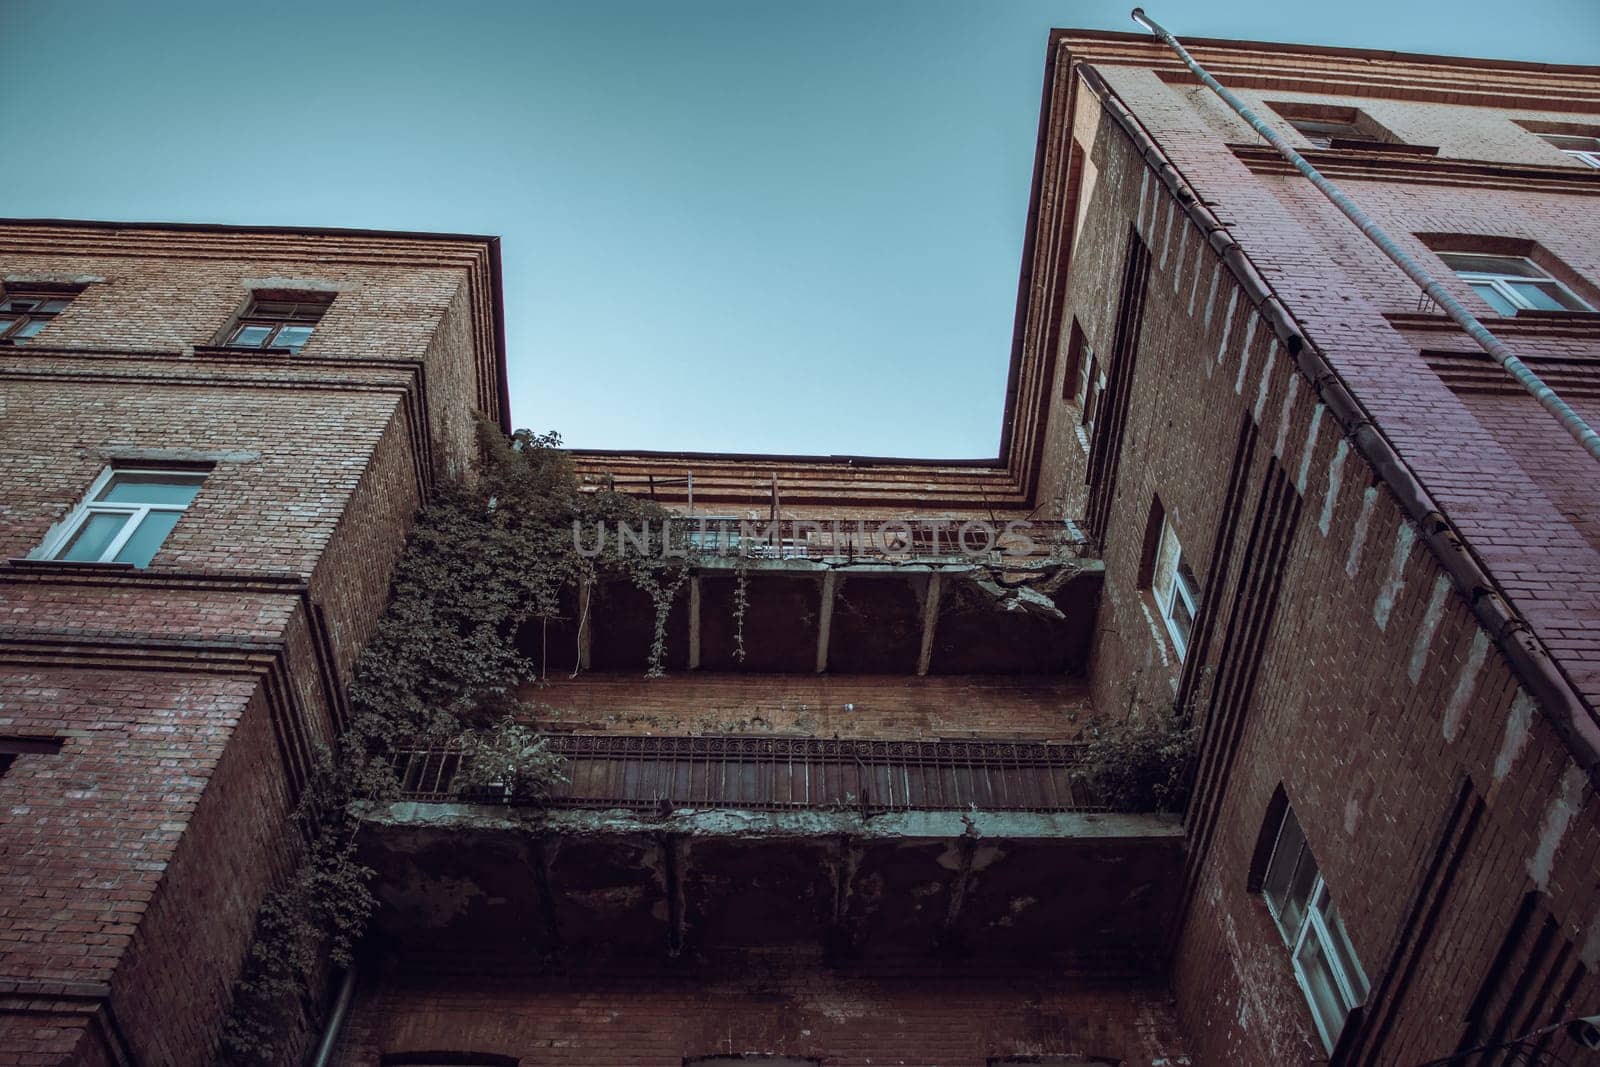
{"x": 24, "y": 312}
{"x": 1335, "y": 127}
{"x": 13, "y": 746}
{"x": 285, "y": 322}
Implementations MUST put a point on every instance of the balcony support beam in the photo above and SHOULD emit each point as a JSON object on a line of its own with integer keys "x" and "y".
{"x": 825, "y": 619}
{"x": 930, "y": 622}
{"x": 585, "y": 625}
{"x": 694, "y": 622}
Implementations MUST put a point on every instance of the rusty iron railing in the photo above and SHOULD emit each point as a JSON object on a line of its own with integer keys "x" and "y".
{"x": 1031, "y": 542}
{"x": 784, "y": 774}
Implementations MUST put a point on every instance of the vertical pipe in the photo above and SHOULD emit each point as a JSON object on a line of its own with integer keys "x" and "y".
{"x": 341, "y": 1008}
{"x": 1570, "y": 420}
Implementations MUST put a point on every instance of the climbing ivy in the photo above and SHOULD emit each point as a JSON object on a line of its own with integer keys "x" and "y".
{"x": 1140, "y": 757}
{"x": 488, "y": 557}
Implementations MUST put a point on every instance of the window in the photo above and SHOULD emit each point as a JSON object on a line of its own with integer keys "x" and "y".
{"x": 1325, "y": 963}
{"x": 128, "y": 513}
{"x": 24, "y": 312}
{"x": 1176, "y": 591}
{"x": 1091, "y": 390}
{"x": 12, "y": 747}
{"x": 1328, "y": 126}
{"x": 279, "y": 323}
{"x": 1510, "y": 284}
{"x": 1582, "y": 147}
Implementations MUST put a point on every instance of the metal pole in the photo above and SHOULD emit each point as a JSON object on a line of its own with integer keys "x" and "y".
{"x": 341, "y": 1007}
{"x": 1574, "y": 424}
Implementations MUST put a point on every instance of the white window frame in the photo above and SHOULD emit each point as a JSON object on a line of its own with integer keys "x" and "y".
{"x": 57, "y": 540}
{"x": 1180, "y": 587}
{"x": 1501, "y": 283}
{"x": 1588, "y": 156}
{"x": 1312, "y": 924}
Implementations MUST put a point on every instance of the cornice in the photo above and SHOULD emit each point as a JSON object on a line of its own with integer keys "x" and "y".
{"x": 1349, "y": 71}
{"x": 1356, "y": 165}
{"x": 478, "y": 256}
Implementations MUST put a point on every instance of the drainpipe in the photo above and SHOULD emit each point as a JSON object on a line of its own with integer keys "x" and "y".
{"x": 341, "y": 1008}
{"x": 1574, "y": 424}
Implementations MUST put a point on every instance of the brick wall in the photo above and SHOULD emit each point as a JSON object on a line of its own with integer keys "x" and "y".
{"x": 886, "y": 706}
{"x": 920, "y": 1015}
{"x": 190, "y": 694}
{"x": 1426, "y": 779}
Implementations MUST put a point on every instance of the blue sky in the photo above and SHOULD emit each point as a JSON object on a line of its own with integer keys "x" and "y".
{"x": 748, "y": 226}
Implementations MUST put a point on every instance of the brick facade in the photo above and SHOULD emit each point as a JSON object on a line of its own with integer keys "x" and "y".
{"x": 1394, "y": 556}
{"x": 187, "y": 695}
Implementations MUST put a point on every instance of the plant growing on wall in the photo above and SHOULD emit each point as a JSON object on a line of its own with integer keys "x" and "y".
{"x": 508, "y": 759}
{"x": 1140, "y": 760}
{"x": 487, "y": 558}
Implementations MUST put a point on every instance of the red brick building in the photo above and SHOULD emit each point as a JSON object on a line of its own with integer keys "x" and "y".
{"x": 1300, "y": 506}
{"x": 164, "y": 682}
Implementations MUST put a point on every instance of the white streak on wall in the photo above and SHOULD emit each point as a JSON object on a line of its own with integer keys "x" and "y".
{"x": 1519, "y": 725}
{"x": 1383, "y": 606}
{"x": 1557, "y": 817}
{"x": 1194, "y": 283}
{"x": 1428, "y": 627}
{"x": 1310, "y": 448}
{"x": 1211, "y": 298}
{"x": 1166, "y": 232}
{"x": 1266, "y": 383}
{"x": 1227, "y": 325}
{"x": 1144, "y": 189}
{"x": 1183, "y": 249}
{"x": 1335, "y": 478}
{"x": 1244, "y": 354}
{"x": 1358, "y": 537}
{"x": 1288, "y": 405}
{"x": 1455, "y": 709}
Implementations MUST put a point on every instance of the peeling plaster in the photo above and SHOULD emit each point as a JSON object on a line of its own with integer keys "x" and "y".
{"x": 1556, "y": 821}
{"x": 1211, "y": 298}
{"x": 1310, "y": 448}
{"x": 1288, "y": 407}
{"x": 1429, "y": 627}
{"x": 1264, "y": 388}
{"x": 1335, "y": 479}
{"x": 1456, "y": 709}
{"x": 1519, "y": 723}
{"x": 1358, "y": 536}
{"x": 1557, "y": 817}
{"x": 1395, "y": 584}
{"x": 1227, "y": 325}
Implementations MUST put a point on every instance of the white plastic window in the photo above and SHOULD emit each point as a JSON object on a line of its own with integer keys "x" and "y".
{"x": 1325, "y": 962}
{"x": 1512, "y": 283}
{"x": 1176, "y": 590}
{"x": 126, "y": 515}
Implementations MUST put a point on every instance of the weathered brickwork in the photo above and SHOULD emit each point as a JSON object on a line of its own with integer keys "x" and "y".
{"x": 1395, "y": 551}
{"x": 188, "y": 696}
{"x": 1426, "y": 779}
{"x": 761, "y": 1005}
{"x": 857, "y": 706}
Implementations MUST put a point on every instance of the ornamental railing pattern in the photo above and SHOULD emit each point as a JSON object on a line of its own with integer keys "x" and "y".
{"x": 784, "y": 774}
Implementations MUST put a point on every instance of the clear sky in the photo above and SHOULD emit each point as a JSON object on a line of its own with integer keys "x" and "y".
{"x": 732, "y": 226}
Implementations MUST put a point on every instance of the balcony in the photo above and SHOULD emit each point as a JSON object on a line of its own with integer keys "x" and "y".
{"x": 934, "y": 597}
{"x": 669, "y": 846}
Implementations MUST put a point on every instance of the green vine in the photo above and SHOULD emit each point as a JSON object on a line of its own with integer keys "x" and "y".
{"x": 741, "y": 602}
{"x": 1140, "y": 759}
{"x": 487, "y": 558}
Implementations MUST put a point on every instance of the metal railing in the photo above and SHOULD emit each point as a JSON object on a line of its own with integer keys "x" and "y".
{"x": 898, "y": 540}
{"x": 782, "y": 774}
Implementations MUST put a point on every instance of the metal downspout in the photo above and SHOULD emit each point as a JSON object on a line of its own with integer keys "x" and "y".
{"x": 1574, "y": 424}
{"x": 341, "y": 1008}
